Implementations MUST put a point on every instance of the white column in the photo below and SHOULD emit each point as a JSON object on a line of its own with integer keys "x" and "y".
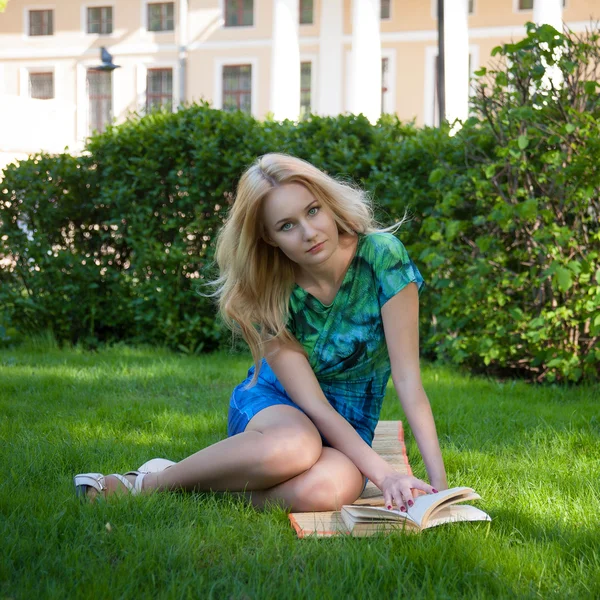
{"x": 330, "y": 71}
{"x": 183, "y": 40}
{"x": 285, "y": 63}
{"x": 548, "y": 12}
{"x": 456, "y": 59}
{"x": 365, "y": 92}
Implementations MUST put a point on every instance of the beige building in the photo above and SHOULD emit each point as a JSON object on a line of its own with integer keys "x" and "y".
{"x": 263, "y": 56}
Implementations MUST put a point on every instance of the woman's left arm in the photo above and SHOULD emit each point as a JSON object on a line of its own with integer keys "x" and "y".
{"x": 401, "y": 326}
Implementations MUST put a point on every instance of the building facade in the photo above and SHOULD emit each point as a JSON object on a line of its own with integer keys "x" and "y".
{"x": 284, "y": 57}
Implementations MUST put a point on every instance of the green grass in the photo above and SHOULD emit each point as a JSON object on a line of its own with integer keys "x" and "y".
{"x": 531, "y": 452}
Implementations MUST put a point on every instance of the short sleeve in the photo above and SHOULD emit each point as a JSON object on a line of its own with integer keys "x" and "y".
{"x": 392, "y": 266}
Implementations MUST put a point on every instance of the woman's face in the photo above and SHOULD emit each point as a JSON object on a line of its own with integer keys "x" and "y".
{"x": 295, "y": 221}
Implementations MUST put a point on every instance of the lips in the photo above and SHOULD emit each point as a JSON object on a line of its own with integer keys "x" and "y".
{"x": 315, "y": 246}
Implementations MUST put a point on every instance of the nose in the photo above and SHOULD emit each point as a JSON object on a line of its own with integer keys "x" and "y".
{"x": 309, "y": 231}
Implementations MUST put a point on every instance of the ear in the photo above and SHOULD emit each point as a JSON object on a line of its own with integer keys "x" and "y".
{"x": 268, "y": 240}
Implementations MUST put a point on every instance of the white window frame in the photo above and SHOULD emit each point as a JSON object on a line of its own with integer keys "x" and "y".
{"x": 144, "y": 19}
{"x": 97, "y": 4}
{"x": 430, "y": 55}
{"x": 389, "y": 100}
{"x": 142, "y": 81}
{"x": 242, "y": 27}
{"x": 26, "y": 10}
{"x": 219, "y": 63}
{"x": 313, "y": 60}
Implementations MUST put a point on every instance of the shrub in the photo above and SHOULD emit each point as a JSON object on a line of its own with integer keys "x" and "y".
{"x": 514, "y": 240}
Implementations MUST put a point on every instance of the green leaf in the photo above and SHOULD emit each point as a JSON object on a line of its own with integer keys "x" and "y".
{"x": 437, "y": 175}
{"x": 563, "y": 277}
{"x": 523, "y": 142}
{"x": 501, "y": 79}
{"x": 490, "y": 171}
{"x": 570, "y": 128}
{"x": 590, "y": 87}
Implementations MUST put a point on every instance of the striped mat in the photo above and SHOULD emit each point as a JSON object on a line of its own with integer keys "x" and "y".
{"x": 389, "y": 444}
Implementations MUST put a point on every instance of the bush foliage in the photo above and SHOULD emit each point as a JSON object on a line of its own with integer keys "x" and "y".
{"x": 114, "y": 244}
{"x": 514, "y": 238}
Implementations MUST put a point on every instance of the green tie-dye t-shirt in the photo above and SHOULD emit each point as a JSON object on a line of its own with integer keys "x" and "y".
{"x": 345, "y": 341}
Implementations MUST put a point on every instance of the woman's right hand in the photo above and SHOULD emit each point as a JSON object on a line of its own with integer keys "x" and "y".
{"x": 397, "y": 489}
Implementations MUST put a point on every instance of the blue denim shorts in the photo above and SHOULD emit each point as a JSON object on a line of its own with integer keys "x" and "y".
{"x": 245, "y": 403}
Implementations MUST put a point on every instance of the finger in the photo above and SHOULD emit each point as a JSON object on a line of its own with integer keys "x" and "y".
{"x": 387, "y": 500}
{"x": 421, "y": 485}
{"x": 400, "y": 501}
{"x": 407, "y": 497}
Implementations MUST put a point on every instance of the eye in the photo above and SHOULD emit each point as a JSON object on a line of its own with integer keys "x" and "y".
{"x": 285, "y": 227}
{"x": 315, "y": 208}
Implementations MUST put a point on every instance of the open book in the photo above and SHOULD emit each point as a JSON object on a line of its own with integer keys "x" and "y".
{"x": 428, "y": 510}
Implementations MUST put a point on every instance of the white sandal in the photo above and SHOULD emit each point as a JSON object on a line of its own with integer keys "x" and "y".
{"x": 156, "y": 465}
{"x": 83, "y": 481}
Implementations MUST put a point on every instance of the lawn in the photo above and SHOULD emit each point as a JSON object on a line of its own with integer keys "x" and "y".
{"x": 532, "y": 452}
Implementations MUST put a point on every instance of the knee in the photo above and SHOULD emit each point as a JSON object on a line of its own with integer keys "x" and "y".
{"x": 330, "y": 490}
{"x": 288, "y": 455}
{"x": 332, "y": 495}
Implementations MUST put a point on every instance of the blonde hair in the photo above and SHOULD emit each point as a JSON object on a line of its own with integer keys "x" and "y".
{"x": 256, "y": 279}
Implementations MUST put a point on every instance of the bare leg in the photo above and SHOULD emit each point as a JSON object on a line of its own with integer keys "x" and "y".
{"x": 279, "y": 443}
{"x": 332, "y": 481}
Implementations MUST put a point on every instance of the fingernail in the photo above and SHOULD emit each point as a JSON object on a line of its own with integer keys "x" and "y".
{"x": 434, "y": 490}
{"x": 403, "y": 509}
{"x": 389, "y": 507}
{"x": 410, "y": 502}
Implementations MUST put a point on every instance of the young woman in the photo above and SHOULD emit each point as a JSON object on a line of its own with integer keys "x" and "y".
{"x": 328, "y": 305}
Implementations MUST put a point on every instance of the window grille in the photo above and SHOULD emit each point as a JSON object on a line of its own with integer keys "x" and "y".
{"x": 305, "y": 88}
{"x": 159, "y": 89}
{"x": 239, "y": 13}
{"x": 237, "y": 88}
{"x": 41, "y": 86}
{"x": 161, "y": 16}
{"x": 100, "y": 19}
{"x": 99, "y": 87}
{"x": 306, "y": 12}
{"x": 41, "y": 22}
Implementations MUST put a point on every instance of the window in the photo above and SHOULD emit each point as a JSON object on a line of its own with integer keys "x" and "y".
{"x": 385, "y": 9}
{"x": 528, "y": 4}
{"x": 305, "y": 81}
{"x": 385, "y": 66}
{"x": 306, "y": 12}
{"x": 159, "y": 89}
{"x": 40, "y": 22}
{"x": 237, "y": 88}
{"x": 471, "y": 6}
{"x": 239, "y": 13}
{"x": 99, "y": 87}
{"x": 161, "y": 16}
{"x": 41, "y": 86}
{"x": 100, "y": 19}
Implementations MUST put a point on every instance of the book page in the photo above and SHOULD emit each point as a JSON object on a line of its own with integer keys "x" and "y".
{"x": 364, "y": 514}
{"x": 427, "y": 504}
{"x": 456, "y": 513}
